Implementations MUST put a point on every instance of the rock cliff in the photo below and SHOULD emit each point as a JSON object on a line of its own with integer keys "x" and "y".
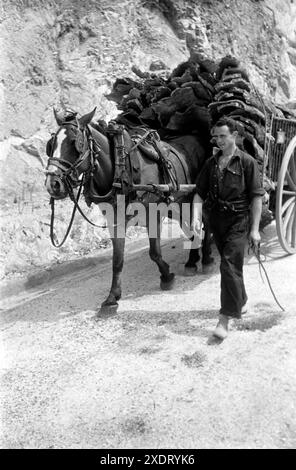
{"x": 69, "y": 52}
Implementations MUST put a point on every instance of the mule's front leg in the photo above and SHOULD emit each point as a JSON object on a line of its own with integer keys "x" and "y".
{"x": 110, "y": 305}
{"x": 166, "y": 279}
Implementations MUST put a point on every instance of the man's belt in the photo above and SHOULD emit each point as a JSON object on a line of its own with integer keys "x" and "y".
{"x": 227, "y": 206}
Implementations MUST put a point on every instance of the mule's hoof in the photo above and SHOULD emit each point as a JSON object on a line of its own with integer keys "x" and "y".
{"x": 106, "y": 311}
{"x": 168, "y": 284}
{"x": 208, "y": 268}
{"x": 190, "y": 270}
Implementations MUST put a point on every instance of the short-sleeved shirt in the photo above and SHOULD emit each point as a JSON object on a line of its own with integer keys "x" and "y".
{"x": 240, "y": 180}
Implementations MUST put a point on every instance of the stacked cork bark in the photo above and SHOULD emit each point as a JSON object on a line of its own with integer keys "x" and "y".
{"x": 192, "y": 98}
{"x": 236, "y": 98}
{"x": 173, "y": 104}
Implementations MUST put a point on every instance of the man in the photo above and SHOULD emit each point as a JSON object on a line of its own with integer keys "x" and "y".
{"x": 231, "y": 187}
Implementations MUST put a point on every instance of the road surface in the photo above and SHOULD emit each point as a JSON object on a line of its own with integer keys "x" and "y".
{"x": 151, "y": 376}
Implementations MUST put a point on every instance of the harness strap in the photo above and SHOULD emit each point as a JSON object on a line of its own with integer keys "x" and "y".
{"x": 121, "y": 175}
{"x": 166, "y": 167}
{"x": 144, "y": 137}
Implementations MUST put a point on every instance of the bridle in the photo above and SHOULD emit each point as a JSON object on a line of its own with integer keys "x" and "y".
{"x": 84, "y": 144}
{"x": 70, "y": 171}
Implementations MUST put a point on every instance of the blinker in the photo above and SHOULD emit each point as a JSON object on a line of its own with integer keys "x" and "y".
{"x": 79, "y": 141}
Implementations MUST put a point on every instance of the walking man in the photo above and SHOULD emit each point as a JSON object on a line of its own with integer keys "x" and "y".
{"x": 230, "y": 185}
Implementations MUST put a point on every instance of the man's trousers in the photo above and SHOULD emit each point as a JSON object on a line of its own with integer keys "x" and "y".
{"x": 230, "y": 232}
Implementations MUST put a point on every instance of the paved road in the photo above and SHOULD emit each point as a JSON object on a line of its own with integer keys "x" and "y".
{"x": 150, "y": 377}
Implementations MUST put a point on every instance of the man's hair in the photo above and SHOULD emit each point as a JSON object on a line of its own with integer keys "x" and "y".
{"x": 230, "y": 123}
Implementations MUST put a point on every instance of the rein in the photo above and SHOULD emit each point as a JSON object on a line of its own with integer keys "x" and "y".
{"x": 76, "y": 206}
{"x": 53, "y": 237}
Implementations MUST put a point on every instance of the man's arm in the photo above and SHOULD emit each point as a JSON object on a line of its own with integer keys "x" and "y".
{"x": 256, "y": 209}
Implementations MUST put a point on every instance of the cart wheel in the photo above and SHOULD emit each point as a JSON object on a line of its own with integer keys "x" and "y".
{"x": 286, "y": 200}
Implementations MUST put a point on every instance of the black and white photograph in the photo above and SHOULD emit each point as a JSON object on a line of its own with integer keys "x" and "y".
{"x": 148, "y": 228}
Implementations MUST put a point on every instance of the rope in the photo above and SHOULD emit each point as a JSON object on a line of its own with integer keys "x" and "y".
{"x": 256, "y": 251}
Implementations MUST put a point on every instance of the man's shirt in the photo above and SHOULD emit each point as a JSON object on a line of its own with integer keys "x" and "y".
{"x": 240, "y": 180}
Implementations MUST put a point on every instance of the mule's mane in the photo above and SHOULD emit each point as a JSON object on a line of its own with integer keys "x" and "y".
{"x": 100, "y": 125}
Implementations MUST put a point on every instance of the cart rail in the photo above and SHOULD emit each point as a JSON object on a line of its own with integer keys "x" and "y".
{"x": 283, "y": 130}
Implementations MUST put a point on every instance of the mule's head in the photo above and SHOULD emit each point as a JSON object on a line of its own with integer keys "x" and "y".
{"x": 68, "y": 153}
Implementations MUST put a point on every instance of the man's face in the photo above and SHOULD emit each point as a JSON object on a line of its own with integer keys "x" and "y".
{"x": 223, "y": 137}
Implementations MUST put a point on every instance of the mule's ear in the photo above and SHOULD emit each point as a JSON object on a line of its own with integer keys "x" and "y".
{"x": 59, "y": 117}
{"x": 84, "y": 120}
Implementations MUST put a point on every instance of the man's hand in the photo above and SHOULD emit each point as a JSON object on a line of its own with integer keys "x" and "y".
{"x": 256, "y": 209}
{"x": 196, "y": 226}
{"x": 254, "y": 238}
{"x": 196, "y": 229}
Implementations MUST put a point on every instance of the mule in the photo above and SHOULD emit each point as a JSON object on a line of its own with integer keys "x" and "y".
{"x": 81, "y": 149}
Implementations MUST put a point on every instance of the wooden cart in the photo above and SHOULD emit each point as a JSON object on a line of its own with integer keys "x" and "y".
{"x": 281, "y": 169}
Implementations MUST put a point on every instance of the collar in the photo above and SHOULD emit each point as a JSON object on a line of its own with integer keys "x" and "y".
{"x": 236, "y": 154}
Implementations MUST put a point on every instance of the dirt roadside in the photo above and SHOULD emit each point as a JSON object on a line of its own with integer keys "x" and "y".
{"x": 150, "y": 377}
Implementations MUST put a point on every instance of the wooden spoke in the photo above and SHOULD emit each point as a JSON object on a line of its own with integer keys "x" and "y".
{"x": 290, "y": 182}
{"x": 286, "y": 200}
{"x": 289, "y": 193}
{"x": 289, "y": 221}
{"x": 287, "y": 204}
{"x": 288, "y": 226}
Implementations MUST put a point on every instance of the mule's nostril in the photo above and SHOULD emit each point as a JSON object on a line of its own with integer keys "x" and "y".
{"x": 56, "y": 186}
